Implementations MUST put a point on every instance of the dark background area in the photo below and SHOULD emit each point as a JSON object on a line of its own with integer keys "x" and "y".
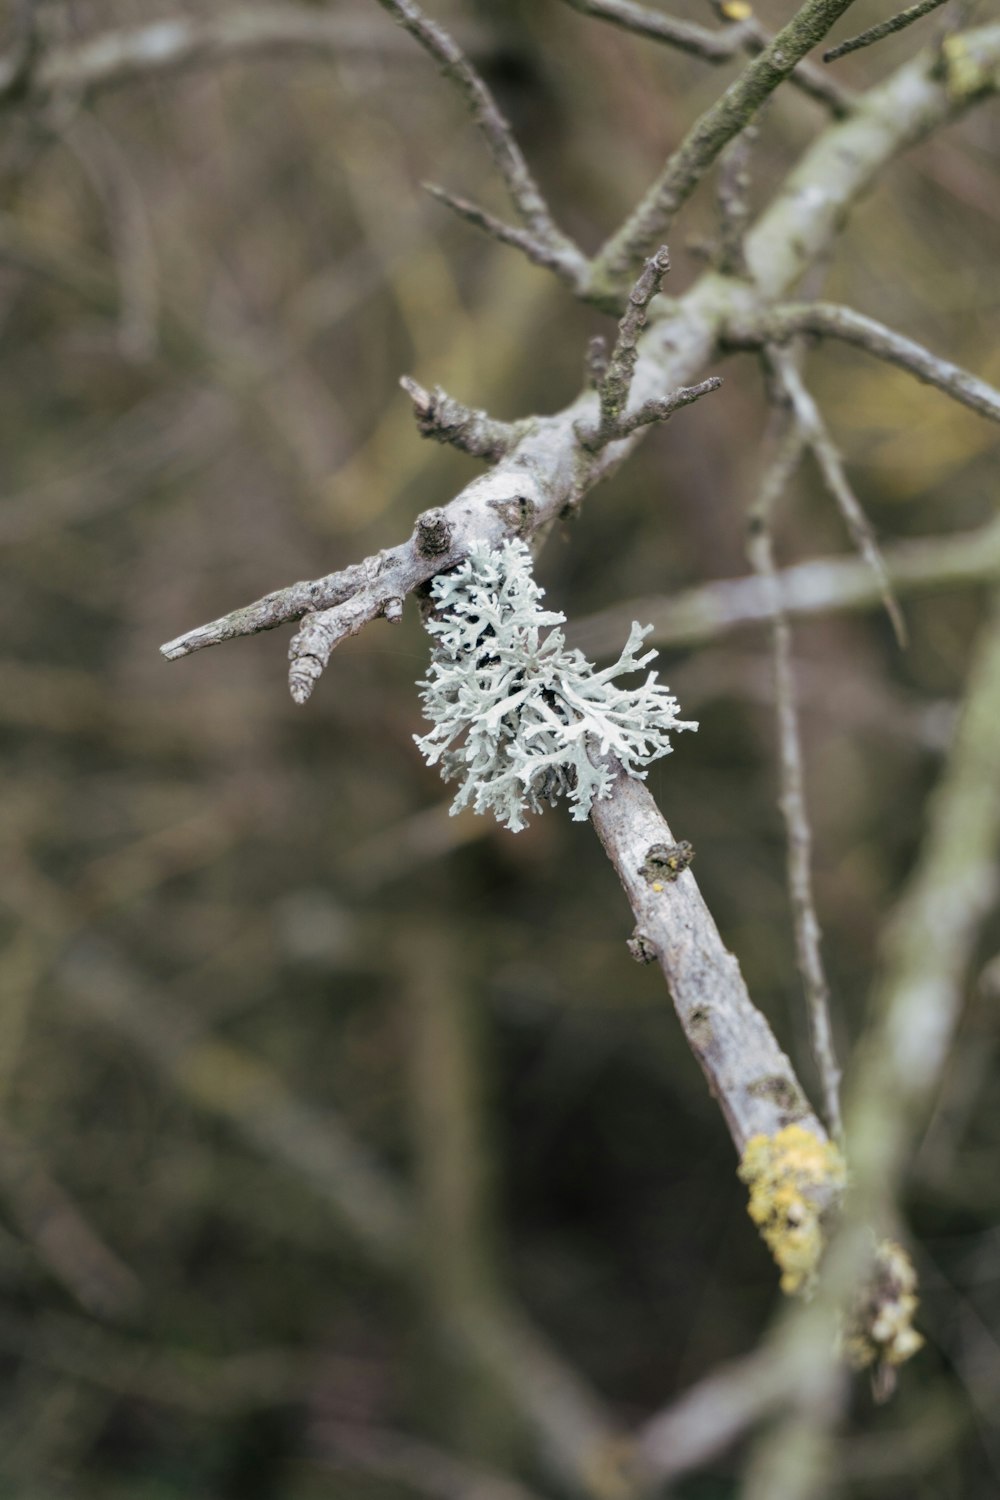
{"x": 233, "y": 928}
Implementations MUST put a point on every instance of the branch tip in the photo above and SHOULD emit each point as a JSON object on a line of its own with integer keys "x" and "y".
{"x": 441, "y": 417}
{"x": 883, "y": 29}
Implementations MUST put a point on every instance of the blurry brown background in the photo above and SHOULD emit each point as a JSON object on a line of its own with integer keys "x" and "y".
{"x": 233, "y": 930}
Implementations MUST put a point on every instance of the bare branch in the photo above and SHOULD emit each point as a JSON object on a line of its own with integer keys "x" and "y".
{"x": 495, "y": 130}
{"x": 446, "y": 420}
{"x": 793, "y": 799}
{"x": 748, "y": 1073}
{"x": 711, "y": 1416}
{"x": 538, "y": 249}
{"x": 930, "y": 940}
{"x": 613, "y": 378}
{"x": 543, "y": 475}
{"x": 830, "y": 320}
{"x": 129, "y": 232}
{"x": 883, "y": 29}
{"x": 824, "y": 450}
{"x": 806, "y": 590}
{"x": 745, "y": 35}
{"x": 616, "y": 382}
{"x": 662, "y": 409}
{"x": 123, "y": 56}
{"x": 652, "y": 219}
{"x": 699, "y": 41}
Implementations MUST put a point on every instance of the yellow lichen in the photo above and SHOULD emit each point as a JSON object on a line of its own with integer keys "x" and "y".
{"x": 880, "y": 1328}
{"x": 965, "y": 73}
{"x": 794, "y": 1178}
{"x": 736, "y": 10}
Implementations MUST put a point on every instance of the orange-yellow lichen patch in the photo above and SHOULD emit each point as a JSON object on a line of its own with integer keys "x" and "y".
{"x": 736, "y": 10}
{"x": 794, "y": 1179}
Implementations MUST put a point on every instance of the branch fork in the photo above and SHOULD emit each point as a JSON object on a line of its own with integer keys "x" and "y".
{"x": 613, "y": 377}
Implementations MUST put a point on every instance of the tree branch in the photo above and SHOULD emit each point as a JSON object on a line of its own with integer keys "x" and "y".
{"x": 441, "y": 417}
{"x": 798, "y": 834}
{"x": 540, "y": 251}
{"x": 746, "y": 35}
{"x": 546, "y": 475}
{"x": 614, "y": 264}
{"x": 124, "y": 56}
{"x": 746, "y": 1070}
{"x": 821, "y": 586}
{"x": 814, "y": 430}
{"x": 496, "y": 132}
{"x": 883, "y": 29}
{"x": 779, "y": 324}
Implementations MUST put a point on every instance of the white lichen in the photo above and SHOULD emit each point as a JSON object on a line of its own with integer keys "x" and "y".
{"x": 517, "y": 717}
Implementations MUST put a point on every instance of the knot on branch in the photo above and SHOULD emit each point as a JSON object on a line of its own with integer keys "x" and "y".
{"x": 433, "y": 533}
{"x": 641, "y": 948}
{"x": 664, "y": 862}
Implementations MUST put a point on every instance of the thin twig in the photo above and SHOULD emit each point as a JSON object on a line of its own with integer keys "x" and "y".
{"x": 806, "y": 77}
{"x": 536, "y": 248}
{"x": 614, "y": 382}
{"x": 784, "y": 322}
{"x": 698, "y": 41}
{"x": 712, "y": 46}
{"x": 524, "y": 192}
{"x": 883, "y": 29}
{"x": 824, "y": 450}
{"x": 650, "y": 221}
{"x": 661, "y": 409}
{"x": 793, "y": 800}
{"x": 441, "y": 417}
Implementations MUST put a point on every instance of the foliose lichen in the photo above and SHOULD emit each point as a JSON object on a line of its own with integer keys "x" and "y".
{"x": 519, "y": 719}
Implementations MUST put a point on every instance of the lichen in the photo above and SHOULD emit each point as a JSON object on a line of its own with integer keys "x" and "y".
{"x": 879, "y": 1330}
{"x": 518, "y": 718}
{"x": 965, "y": 73}
{"x": 793, "y": 1178}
